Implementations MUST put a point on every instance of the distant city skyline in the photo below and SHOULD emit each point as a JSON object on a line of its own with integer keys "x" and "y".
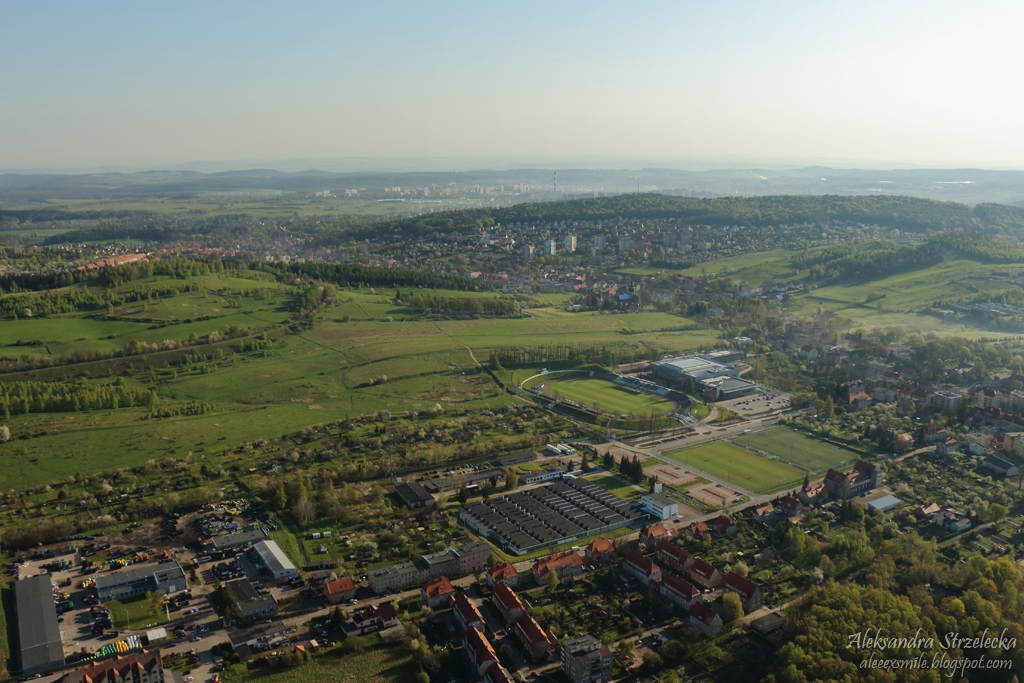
{"x": 399, "y": 86}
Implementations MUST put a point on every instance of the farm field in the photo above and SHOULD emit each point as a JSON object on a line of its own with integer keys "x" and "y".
{"x": 738, "y": 466}
{"x": 615, "y": 486}
{"x": 607, "y": 396}
{"x": 906, "y": 297}
{"x": 797, "y": 449}
{"x": 376, "y": 665}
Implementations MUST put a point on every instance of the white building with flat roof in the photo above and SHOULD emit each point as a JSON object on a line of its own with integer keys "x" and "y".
{"x": 659, "y": 505}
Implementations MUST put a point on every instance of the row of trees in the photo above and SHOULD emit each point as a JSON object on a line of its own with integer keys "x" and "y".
{"x": 19, "y": 398}
{"x": 428, "y": 304}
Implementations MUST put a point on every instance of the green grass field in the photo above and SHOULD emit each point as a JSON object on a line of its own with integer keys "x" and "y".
{"x": 607, "y": 396}
{"x": 376, "y": 665}
{"x": 135, "y": 614}
{"x": 907, "y": 296}
{"x": 616, "y": 486}
{"x": 739, "y": 466}
{"x": 806, "y": 452}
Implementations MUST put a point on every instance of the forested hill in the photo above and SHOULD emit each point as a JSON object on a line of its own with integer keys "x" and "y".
{"x": 903, "y": 213}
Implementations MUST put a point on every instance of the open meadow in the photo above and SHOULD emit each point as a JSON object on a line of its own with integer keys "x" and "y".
{"x": 377, "y": 665}
{"x": 739, "y": 466}
{"x": 805, "y": 452}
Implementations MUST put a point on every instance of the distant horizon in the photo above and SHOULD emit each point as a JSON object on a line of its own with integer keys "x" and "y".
{"x": 371, "y": 165}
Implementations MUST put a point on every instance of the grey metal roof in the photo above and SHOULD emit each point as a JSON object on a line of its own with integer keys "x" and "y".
{"x": 38, "y": 632}
{"x": 273, "y": 557}
{"x": 235, "y": 540}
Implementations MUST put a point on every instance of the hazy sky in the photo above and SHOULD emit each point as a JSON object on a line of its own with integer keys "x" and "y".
{"x": 85, "y": 84}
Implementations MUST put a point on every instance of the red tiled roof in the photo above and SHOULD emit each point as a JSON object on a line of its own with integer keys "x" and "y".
{"x": 740, "y": 584}
{"x": 703, "y": 612}
{"x": 481, "y": 647}
{"x": 531, "y": 631}
{"x": 702, "y": 568}
{"x": 342, "y": 585}
{"x": 467, "y": 609}
{"x": 506, "y": 598}
{"x": 500, "y": 572}
{"x": 644, "y": 564}
{"x": 673, "y": 552}
{"x": 438, "y": 586}
{"x": 654, "y": 531}
{"x": 569, "y": 557}
{"x": 599, "y": 546}
{"x": 680, "y": 586}
{"x": 121, "y": 667}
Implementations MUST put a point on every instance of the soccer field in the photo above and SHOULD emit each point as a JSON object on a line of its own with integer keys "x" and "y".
{"x": 739, "y": 466}
{"x": 795, "y": 448}
{"x": 607, "y": 396}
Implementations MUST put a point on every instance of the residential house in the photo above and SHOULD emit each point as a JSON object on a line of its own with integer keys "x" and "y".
{"x": 651, "y": 535}
{"x": 641, "y": 568}
{"x": 902, "y": 442}
{"x": 927, "y": 511}
{"x": 863, "y": 477}
{"x": 373, "y": 619}
{"x": 504, "y": 573}
{"x": 946, "y": 401}
{"x": 952, "y": 520}
{"x": 791, "y": 506}
{"x": 478, "y": 650}
{"x": 977, "y": 443}
{"x": 705, "y": 619}
{"x": 704, "y": 573}
{"x": 933, "y": 432}
{"x": 948, "y": 447}
{"x": 437, "y": 593}
{"x": 722, "y": 526}
{"x": 672, "y": 556}
{"x": 467, "y": 614}
{"x": 340, "y": 590}
{"x": 508, "y": 604}
{"x": 749, "y": 592}
{"x": 536, "y": 642}
{"x": 600, "y": 551}
{"x": 565, "y": 564}
{"x": 698, "y": 531}
{"x": 679, "y": 591}
{"x": 813, "y": 494}
{"x": 763, "y": 513}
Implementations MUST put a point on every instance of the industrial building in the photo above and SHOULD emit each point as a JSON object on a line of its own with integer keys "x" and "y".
{"x": 558, "y": 512}
{"x": 252, "y": 606}
{"x": 38, "y": 633}
{"x": 134, "y": 581}
{"x": 707, "y": 375}
{"x": 238, "y": 540}
{"x": 270, "y": 557}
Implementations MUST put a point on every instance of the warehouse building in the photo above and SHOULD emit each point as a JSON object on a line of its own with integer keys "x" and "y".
{"x": 252, "y": 606}
{"x": 134, "y": 581}
{"x": 559, "y": 512}
{"x": 270, "y": 557}
{"x": 38, "y": 633}
{"x": 240, "y": 540}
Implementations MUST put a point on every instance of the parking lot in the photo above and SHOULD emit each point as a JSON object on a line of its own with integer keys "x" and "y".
{"x": 765, "y": 400}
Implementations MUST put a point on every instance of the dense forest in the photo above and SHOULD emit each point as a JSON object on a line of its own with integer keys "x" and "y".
{"x": 427, "y": 304}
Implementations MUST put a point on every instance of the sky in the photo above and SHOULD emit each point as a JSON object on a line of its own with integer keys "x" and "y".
{"x": 154, "y": 85}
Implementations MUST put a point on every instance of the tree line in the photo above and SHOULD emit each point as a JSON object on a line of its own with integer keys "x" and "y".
{"x": 19, "y": 398}
{"x": 429, "y": 304}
